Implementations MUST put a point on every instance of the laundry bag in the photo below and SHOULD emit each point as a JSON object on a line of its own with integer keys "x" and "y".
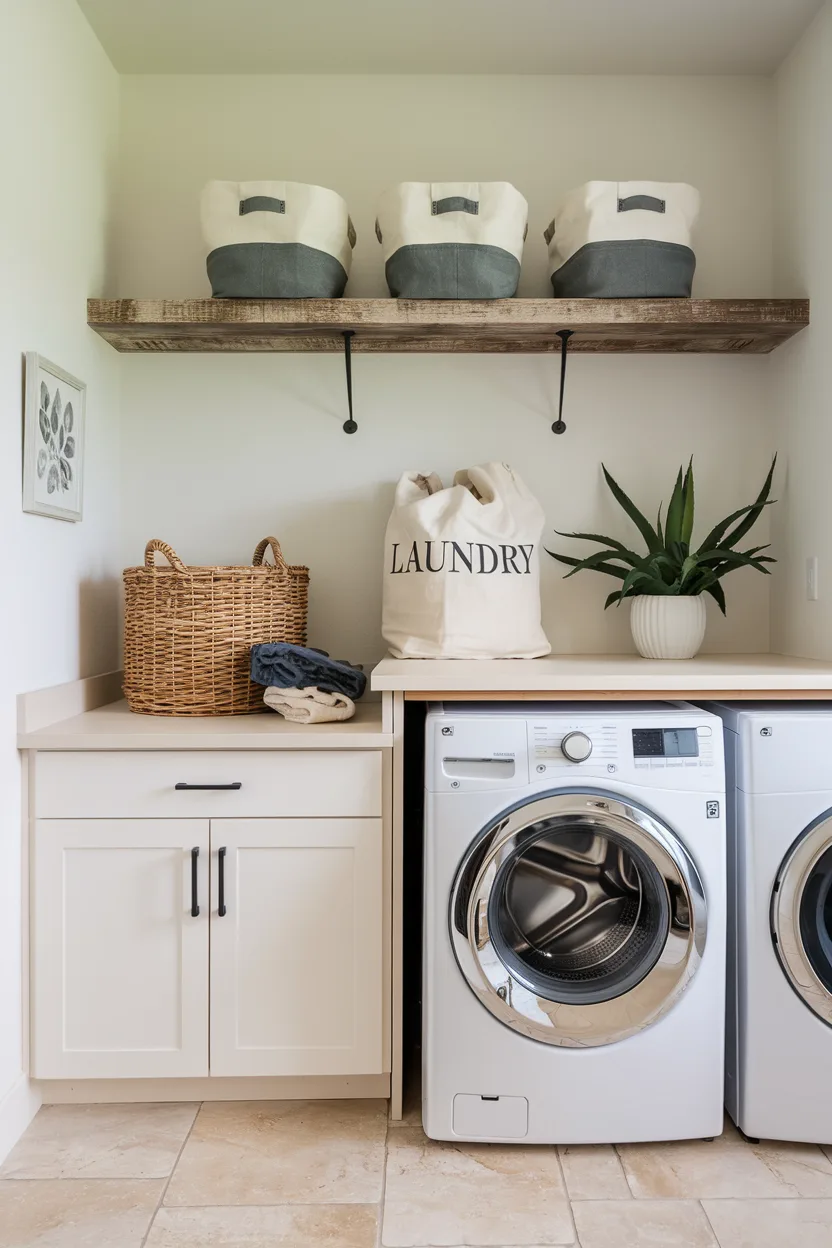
{"x": 452, "y": 240}
{"x": 461, "y": 568}
{"x": 276, "y": 240}
{"x": 624, "y": 240}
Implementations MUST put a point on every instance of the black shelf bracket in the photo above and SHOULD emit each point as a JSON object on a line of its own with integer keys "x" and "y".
{"x": 350, "y": 425}
{"x": 564, "y": 334}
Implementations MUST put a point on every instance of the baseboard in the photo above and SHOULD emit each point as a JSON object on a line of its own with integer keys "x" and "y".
{"x": 17, "y": 1109}
{"x": 283, "y": 1088}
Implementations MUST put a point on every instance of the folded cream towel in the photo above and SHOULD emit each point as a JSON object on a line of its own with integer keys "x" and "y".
{"x": 310, "y": 705}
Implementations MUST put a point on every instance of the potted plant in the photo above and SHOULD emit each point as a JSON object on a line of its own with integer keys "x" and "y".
{"x": 667, "y": 581}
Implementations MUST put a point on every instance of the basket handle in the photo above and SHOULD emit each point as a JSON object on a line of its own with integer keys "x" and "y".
{"x": 170, "y": 554}
{"x": 279, "y": 561}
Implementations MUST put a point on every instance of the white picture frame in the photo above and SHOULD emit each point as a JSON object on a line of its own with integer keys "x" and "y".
{"x": 53, "y": 440}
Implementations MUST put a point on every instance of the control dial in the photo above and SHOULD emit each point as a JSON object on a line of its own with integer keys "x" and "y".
{"x": 576, "y": 746}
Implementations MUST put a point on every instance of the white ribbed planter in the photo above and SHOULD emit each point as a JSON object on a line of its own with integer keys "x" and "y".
{"x": 667, "y": 627}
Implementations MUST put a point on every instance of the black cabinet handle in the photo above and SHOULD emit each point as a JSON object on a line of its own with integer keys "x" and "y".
{"x": 236, "y": 784}
{"x": 194, "y": 884}
{"x": 221, "y": 881}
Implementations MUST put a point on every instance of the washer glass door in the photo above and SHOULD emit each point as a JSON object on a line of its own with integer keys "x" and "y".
{"x": 577, "y": 918}
{"x": 801, "y": 916}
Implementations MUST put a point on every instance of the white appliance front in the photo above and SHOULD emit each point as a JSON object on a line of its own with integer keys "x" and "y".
{"x": 779, "y": 1034}
{"x": 574, "y": 923}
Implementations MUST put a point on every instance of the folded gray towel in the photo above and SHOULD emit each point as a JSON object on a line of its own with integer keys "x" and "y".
{"x": 283, "y": 666}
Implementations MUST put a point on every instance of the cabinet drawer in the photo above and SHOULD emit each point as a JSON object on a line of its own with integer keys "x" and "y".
{"x": 120, "y": 785}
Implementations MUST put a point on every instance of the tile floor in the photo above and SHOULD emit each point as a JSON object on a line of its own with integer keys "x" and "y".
{"x": 336, "y": 1174}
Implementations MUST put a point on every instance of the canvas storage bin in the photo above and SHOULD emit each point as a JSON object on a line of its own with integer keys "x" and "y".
{"x": 461, "y": 568}
{"x": 623, "y": 240}
{"x": 276, "y": 240}
{"x": 452, "y": 240}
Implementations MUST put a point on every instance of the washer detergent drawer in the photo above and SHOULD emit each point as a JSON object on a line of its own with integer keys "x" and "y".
{"x": 492, "y": 1117}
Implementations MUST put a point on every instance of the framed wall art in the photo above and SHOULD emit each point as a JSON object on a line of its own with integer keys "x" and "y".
{"x": 53, "y": 440}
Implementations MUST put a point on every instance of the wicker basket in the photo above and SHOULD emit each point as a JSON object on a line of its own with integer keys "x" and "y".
{"x": 188, "y": 631}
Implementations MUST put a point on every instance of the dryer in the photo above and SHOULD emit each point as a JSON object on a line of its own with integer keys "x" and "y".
{"x": 574, "y": 923}
{"x": 779, "y": 1020}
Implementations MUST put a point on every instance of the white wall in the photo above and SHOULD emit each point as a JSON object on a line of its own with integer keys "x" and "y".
{"x": 58, "y": 132}
{"x": 804, "y": 267}
{"x": 220, "y": 451}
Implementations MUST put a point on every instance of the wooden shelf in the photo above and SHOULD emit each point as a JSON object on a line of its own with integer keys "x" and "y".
{"x": 724, "y": 326}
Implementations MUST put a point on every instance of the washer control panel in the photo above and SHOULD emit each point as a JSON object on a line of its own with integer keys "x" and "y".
{"x": 561, "y": 748}
{"x": 558, "y": 745}
{"x": 496, "y": 748}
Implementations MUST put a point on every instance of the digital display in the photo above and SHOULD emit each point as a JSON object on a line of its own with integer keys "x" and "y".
{"x": 665, "y": 743}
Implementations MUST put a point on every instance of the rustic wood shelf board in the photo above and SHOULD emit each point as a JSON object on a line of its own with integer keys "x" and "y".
{"x": 723, "y": 326}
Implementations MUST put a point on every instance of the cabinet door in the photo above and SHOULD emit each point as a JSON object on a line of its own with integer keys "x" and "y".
{"x": 119, "y": 962}
{"x": 296, "y": 957}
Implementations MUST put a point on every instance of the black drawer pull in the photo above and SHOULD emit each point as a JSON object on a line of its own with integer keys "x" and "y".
{"x": 235, "y": 784}
{"x": 221, "y": 881}
{"x": 194, "y": 885}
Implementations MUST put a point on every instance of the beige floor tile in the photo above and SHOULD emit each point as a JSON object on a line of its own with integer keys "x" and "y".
{"x": 283, "y": 1152}
{"x": 642, "y": 1224}
{"x": 472, "y": 1194}
{"x": 101, "y": 1142}
{"x": 771, "y": 1223}
{"x": 301, "y": 1226}
{"x": 95, "y": 1213}
{"x": 802, "y": 1166}
{"x": 726, "y": 1168}
{"x": 593, "y": 1172}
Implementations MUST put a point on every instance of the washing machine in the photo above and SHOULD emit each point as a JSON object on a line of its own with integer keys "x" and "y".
{"x": 779, "y": 1018}
{"x": 574, "y": 923}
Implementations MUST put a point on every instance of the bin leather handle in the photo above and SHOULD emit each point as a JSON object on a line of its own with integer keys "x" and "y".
{"x": 262, "y": 203}
{"x": 649, "y": 203}
{"x": 454, "y": 203}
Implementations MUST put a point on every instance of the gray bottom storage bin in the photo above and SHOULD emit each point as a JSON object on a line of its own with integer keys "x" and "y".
{"x": 274, "y": 271}
{"x": 626, "y": 269}
{"x": 452, "y": 271}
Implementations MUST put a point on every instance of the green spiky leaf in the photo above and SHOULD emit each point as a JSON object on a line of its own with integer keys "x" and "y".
{"x": 751, "y": 513}
{"x": 718, "y": 594}
{"x": 641, "y": 522}
{"x": 688, "y": 505}
{"x": 675, "y": 511}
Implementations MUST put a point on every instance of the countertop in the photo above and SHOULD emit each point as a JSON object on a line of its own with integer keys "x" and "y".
{"x": 611, "y": 675}
{"x": 115, "y": 727}
{"x": 577, "y": 677}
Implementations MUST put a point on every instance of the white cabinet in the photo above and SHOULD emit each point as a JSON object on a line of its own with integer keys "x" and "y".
{"x": 296, "y": 947}
{"x": 128, "y": 932}
{"x": 119, "y": 962}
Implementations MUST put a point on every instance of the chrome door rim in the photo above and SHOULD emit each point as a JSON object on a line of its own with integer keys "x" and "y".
{"x": 786, "y": 899}
{"x": 574, "y": 1025}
